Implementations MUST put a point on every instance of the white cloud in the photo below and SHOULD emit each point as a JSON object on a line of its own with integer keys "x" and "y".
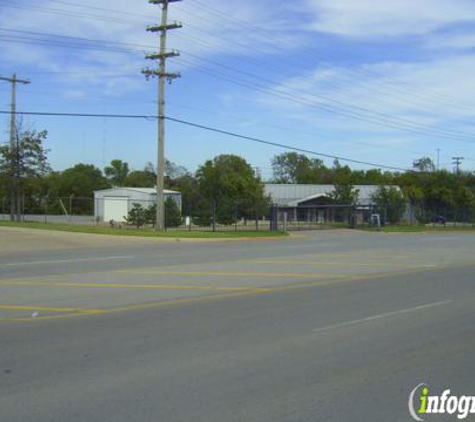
{"x": 433, "y": 95}
{"x": 369, "y": 18}
{"x": 205, "y": 33}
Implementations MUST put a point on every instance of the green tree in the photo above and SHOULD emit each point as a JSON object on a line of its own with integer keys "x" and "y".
{"x": 464, "y": 199}
{"x": 174, "y": 171}
{"x": 78, "y": 182}
{"x": 23, "y": 164}
{"x": 291, "y": 167}
{"x": 229, "y": 182}
{"x": 172, "y": 213}
{"x": 415, "y": 196}
{"x": 392, "y": 201}
{"x": 137, "y": 216}
{"x": 117, "y": 172}
{"x": 81, "y": 180}
{"x": 151, "y": 215}
{"x": 140, "y": 179}
{"x": 344, "y": 192}
{"x": 424, "y": 164}
{"x": 187, "y": 185}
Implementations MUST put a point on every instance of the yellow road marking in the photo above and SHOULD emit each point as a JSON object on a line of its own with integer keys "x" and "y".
{"x": 165, "y": 303}
{"x": 50, "y": 309}
{"x": 331, "y": 264}
{"x": 128, "y": 286}
{"x": 254, "y": 292}
{"x": 227, "y": 274}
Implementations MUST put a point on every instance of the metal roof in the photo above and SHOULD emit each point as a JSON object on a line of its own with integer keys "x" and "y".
{"x": 149, "y": 191}
{"x": 293, "y": 194}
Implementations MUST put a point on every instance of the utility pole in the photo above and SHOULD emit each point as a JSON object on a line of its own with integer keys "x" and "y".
{"x": 438, "y": 158}
{"x": 14, "y": 194}
{"x": 457, "y": 161}
{"x": 163, "y": 76}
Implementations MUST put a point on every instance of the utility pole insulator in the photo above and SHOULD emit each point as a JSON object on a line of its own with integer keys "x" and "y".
{"x": 151, "y": 73}
{"x": 158, "y": 28}
{"x": 162, "y": 1}
{"x": 160, "y": 56}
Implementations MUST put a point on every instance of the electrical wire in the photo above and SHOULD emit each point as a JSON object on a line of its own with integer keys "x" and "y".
{"x": 410, "y": 90}
{"x": 324, "y": 102}
{"x": 210, "y": 129}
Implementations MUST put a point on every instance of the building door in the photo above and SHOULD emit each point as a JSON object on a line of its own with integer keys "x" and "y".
{"x": 115, "y": 208}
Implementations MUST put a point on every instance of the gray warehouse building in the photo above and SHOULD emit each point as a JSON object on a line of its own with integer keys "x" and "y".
{"x": 296, "y": 195}
{"x": 115, "y": 204}
{"x": 300, "y": 202}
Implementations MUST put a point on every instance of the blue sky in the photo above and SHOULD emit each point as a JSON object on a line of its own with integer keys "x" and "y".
{"x": 386, "y": 82}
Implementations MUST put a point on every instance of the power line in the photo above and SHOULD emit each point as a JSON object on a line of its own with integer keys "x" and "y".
{"x": 341, "y": 108}
{"x": 57, "y": 114}
{"x": 208, "y": 112}
{"x": 211, "y": 129}
{"x": 233, "y": 117}
{"x": 329, "y": 104}
{"x": 276, "y": 144}
{"x": 346, "y": 113}
{"x": 408, "y": 90}
{"x": 359, "y": 109}
{"x": 242, "y": 23}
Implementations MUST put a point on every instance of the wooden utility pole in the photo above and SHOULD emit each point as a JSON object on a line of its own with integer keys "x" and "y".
{"x": 457, "y": 161}
{"x": 163, "y": 76}
{"x": 14, "y": 194}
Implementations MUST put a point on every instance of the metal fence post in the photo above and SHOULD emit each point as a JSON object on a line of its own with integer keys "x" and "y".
{"x": 45, "y": 208}
{"x": 23, "y": 207}
{"x": 235, "y": 217}
{"x": 273, "y": 218}
{"x": 165, "y": 214}
{"x": 214, "y": 215}
{"x": 70, "y": 209}
{"x": 189, "y": 217}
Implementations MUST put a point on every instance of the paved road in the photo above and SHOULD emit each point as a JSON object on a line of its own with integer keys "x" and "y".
{"x": 334, "y": 326}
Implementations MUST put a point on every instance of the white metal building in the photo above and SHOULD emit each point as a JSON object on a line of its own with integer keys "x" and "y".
{"x": 114, "y": 204}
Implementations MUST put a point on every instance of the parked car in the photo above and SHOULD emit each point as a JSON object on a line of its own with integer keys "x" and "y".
{"x": 438, "y": 219}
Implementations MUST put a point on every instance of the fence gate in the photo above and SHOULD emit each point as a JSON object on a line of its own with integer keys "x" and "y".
{"x": 318, "y": 217}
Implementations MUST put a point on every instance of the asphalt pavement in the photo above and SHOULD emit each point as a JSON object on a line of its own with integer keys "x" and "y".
{"x": 324, "y": 326}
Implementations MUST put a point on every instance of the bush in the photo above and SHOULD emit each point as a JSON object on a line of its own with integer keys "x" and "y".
{"x": 172, "y": 213}
{"x": 137, "y": 216}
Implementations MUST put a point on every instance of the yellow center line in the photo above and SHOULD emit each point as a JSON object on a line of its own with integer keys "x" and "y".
{"x": 228, "y": 274}
{"x": 50, "y": 309}
{"x": 173, "y": 302}
{"x": 331, "y": 264}
{"x": 128, "y": 286}
{"x": 208, "y": 298}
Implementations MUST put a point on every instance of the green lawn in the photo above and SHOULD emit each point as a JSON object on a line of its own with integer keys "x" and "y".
{"x": 420, "y": 229}
{"x": 143, "y": 232}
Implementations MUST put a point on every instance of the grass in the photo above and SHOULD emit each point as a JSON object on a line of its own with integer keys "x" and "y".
{"x": 420, "y": 229}
{"x": 143, "y": 232}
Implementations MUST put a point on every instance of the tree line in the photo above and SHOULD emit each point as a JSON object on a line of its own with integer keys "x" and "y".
{"x": 228, "y": 184}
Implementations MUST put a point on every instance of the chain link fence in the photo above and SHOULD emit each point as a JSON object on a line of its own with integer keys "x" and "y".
{"x": 201, "y": 215}
{"x": 224, "y": 214}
